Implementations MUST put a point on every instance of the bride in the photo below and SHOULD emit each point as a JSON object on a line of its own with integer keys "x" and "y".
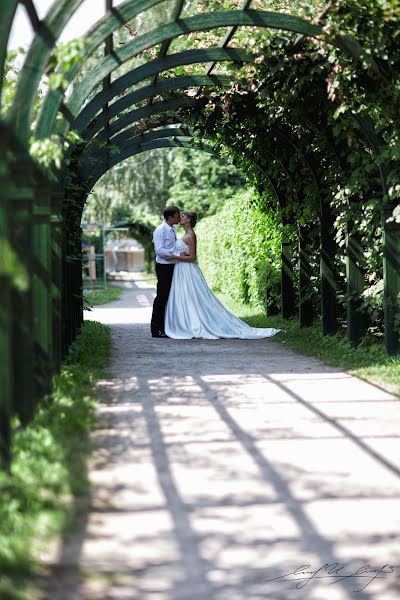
{"x": 193, "y": 311}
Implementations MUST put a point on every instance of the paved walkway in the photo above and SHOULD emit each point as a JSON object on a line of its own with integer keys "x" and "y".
{"x": 222, "y": 465}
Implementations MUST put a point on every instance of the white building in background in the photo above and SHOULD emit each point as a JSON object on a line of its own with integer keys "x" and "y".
{"x": 124, "y": 256}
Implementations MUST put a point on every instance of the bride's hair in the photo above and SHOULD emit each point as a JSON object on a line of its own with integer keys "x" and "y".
{"x": 192, "y": 216}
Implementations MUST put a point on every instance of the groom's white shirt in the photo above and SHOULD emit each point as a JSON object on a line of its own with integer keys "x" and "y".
{"x": 164, "y": 238}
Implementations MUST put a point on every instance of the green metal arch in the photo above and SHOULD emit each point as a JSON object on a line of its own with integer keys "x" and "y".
{"x": 151, "y": 68}
{"x": 60, "y": 13}
{"x": 89, "y": 155}
{"x": 7, "y": 17}
{"x": 168, "y": 32}
{"x": 160, "y": 87}
{"x": 108, "y": 161}
{"x": 43, "y": 44}
{"x": 136, "y": 146}
{"x": 35, "y": 63}
{"x": 136, "y": 115}
{"x": 137, "y": 149}
{"x": 149, "y": 91}
{"x": 163, "y": 132}
{"x": 143, "y": 113}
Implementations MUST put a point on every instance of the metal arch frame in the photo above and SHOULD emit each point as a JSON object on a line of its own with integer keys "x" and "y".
{"x": 142, "y": 113}
{"x": 149, "y": 91}
{"x": 7, "y": 18}
{"x": 177, "y": 132}
{"x": 137, "y": 141}
{"x": 143, "y": 93}
{"x": 87, "y": 160}
{"x": 133, "y": 149}
{"x": 60, "y": 12}
{"x": 90, "y": 154}
{"x": 168, "y": 32}
{"x": 165, "y": 85}
{"x": 42, "y": 46}
{"x": 165, "y": 106}
{"x": 146, "y": 111}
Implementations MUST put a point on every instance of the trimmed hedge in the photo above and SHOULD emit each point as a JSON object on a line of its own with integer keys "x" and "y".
{"x": 239, "y": 247}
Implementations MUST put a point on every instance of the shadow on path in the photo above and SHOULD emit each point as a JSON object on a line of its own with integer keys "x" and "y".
{"x": 222, "y": 465}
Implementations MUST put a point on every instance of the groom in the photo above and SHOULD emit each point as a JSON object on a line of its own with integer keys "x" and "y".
{"x": 164, "y": 238}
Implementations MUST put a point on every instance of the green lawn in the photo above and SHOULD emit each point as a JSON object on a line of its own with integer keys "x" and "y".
{"x": 112, "y": 292}
{"x": 368, "y": 361}
{"x": 102, "y": 295}
{"x": 39, "y": 499}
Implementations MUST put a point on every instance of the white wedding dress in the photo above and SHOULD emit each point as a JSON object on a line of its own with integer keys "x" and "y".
{"x": 193, "y": 311}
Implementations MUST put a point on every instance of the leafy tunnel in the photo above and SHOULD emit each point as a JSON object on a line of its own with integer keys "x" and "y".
{"x": 305, "y": 106}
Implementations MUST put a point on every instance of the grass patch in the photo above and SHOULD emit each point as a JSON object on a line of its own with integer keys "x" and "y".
{"x": 150, "y": 278}
{"x": 111, "y": 293}
{"x": 368, "y": 360}
{"x": 48, "y": 469}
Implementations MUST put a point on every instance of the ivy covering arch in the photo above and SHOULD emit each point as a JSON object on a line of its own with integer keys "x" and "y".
{"x": 309, "y": 111}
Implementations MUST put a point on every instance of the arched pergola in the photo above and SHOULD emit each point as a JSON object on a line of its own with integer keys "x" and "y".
{"x": 40, "y": 216}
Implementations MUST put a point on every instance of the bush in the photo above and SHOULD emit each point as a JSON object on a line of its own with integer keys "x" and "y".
{"x": 48, "y": 467}
{"x": 239, "y": 248}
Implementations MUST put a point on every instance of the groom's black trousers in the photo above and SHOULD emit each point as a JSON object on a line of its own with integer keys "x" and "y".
{"x": 164, "y": 279}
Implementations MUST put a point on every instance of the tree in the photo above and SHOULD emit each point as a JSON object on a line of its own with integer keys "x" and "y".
{"x": 202, "y": 182}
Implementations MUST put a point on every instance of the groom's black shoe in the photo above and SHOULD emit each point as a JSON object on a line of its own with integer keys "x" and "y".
{"x": 160, "y": 334}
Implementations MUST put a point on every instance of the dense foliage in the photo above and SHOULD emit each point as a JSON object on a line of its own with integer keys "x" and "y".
{"x": 201, "y": 182}
{"x": 239, "y": 250}
{"x": 300, "y": 123}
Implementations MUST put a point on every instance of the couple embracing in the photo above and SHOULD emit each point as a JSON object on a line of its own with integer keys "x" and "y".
{"x": 185, "y": 307}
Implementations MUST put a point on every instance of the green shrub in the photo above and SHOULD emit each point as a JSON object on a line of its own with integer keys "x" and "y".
{"x": 48, "y": 467}
{"x": 239, "y": 247}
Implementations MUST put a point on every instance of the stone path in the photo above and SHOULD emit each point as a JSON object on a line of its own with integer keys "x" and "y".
{"x": 222, "y": 465}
